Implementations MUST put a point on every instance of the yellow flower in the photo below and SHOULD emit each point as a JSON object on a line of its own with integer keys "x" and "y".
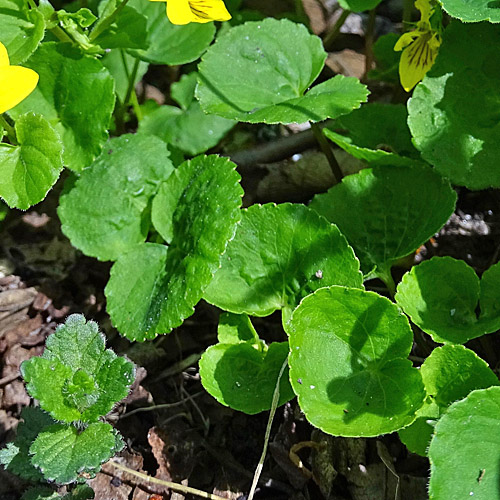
{"x": 195, "y": 11}
{"x": 420, "y": 48}
{"x": 16, "y": 82}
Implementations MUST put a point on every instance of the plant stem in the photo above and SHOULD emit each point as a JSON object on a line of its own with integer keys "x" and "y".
{"x": 369, "y": 39}
{"x": 32, "y": 4}
{"x": 59, "y": 33}
{"x": 107, "y": 21}
{"x": 335, "y": 31}
{"x": 11, "y": 132}
{"x": 173, "y": 486}
{"x": 274, "y": 406}
{"x": 328, "y": 152}
{"x": 407, "y": 12}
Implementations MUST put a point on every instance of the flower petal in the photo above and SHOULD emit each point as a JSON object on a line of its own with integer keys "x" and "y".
{"x": 417, "y": 59}
{"x": 405, "y": 39}
{"x": 179, "y": 12}
{"x": 209, "y": 10}
{"x": 16, "y": 83}
{"x": 4, "y": 56}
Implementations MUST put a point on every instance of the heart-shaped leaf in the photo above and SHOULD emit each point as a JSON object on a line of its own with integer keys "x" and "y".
{"x": 280, "y": 254}
{"x": 348, "y": 365}
{"x": 472, "y": 12}
{"x": 441, "y": 296}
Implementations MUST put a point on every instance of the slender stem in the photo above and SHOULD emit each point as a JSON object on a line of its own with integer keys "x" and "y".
{"x": 369, "y": 40}
{"x": 274, "y": 406}
{"x": 136, "y": 106}
{"x": 11, "y": 132}
{"x": 328, "y": 152}
{"x": 385, "y": 275}
{"x": 335, "y": 31}
{"x": 407, "y": 12}
{"x": 61, "y": 34}
{"x": 173, "y": 486}
{"x": 107, "y": 21}
{"x": 131, "y": 81}
{"x": 32, "y": 4}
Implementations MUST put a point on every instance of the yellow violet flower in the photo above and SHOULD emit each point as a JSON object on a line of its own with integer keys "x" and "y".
{"x": 16, "y": 82}
{"x": 420, "y": 48}
{"x": 195, "y": 11}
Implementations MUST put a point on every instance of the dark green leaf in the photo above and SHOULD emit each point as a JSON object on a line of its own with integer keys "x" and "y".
{"x": 471, "y": 12}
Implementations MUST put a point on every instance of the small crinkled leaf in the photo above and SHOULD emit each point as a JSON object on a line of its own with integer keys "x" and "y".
{"x": 235, "y": 328}
{"x": 243, "y": 377}
{"x": 77, "y": 378}
{"x": 375, "y": 132}
{"x": 473, "y": 11}
{"x": 153, "y": 288}
{"x": 129, "y": 31}
{"x": 81, "y": 492}
{"x": 280, "y": 254}
{"x": 272, "y": 64}
{"x": 455, "y": 127}
{"x": 107, "y": 211}
{"x": 30, "y": 169}
{"x": 441, "y": 296}
{"x": 450, "y": 373}
{"x": 359, "y": 5}
{"x": 387, "y": 212}
{"x": 22, "y": 29}
{"x": 348, "y": 365}
{"x": 169, "y": 43}
{"x": 15, "y": 457}
{"x": 465, "y": 449}
{"x": 62, "y": 452}
{"x": 76, "y": 95}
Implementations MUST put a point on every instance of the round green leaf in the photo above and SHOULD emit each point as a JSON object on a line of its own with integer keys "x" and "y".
{"x": 280, "y": 254}
{"x": 76, "y": 95}
{"x": 243, "y": 377}
{"x": 386, "y": 212}
{"x": 107, "y": 211}
{"x": 153, "y": 288}
{"x": 471, "y": 12}
{"x": 450, "y": 373}
{"x": 359, "y": 5}
{"x": 22, "y": 29}
{"x": 32, "y": 168}
{"x": 63, "y": 452}
{"x": 465, "y": 449}
{"x": 272, "y": 64}
{"x": 455, "y": 126}
{"x": 441, "y": 297}
{"x": 169, "y": 43}
{"x": 348, "y": 365}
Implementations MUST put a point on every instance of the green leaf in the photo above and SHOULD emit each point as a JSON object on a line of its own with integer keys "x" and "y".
{"x": 359, "y": 5}
{"x": 455, "y": 127}
{"x": 465, "y": 449}
{"x": 76, "y": 95}
{"x": 441, "y": 296}
{"x": 377, "y": 132}
{"x": 235, "y": 328}
{"x": 120, "y": 65}
{"x": 243, "y": 377}
{"x": 272, "y": 64}
{"x": 107, "y": 212}
{"x": 471, "y": 12}
{"x": 77, "y": 378}
{"x": 40, "y": 493}
{"x": 32, "y": 168}
{"x": 280, "y": 254}
{"x": 386, "y": 212}
{"x": 15, "y": 457}
{"x": 169, "y": 43}
{"x": 348, "y": 365}
{"x": 62, "y": 452}
{"x": 153, "y": 288}
{"x": 387, "y": 59}
{"x": 188, "y": 129}
{"x": 22, "y": 29}
{"x": 129, "y": 31}
{"x": 450, "y": 373}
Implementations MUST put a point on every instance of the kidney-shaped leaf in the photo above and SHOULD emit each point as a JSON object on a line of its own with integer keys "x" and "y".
{"x": 76, "y": 95}
{"x": 107, "y": 212}
{"x": 471, "y": 12}
{"x": 280, "y": 254}
{"x": 455, "y": 127}
{"x": 387, "y": 212}
{"x": 30, "y": 169}
{"x": 450, "y": 373}
{"x": 465, "y": 449}
{"x": 272, "y": 64}
{"x": 348, "y": 365}
{"x": 441, "y": 296}
{"x": 153, "y": 288}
